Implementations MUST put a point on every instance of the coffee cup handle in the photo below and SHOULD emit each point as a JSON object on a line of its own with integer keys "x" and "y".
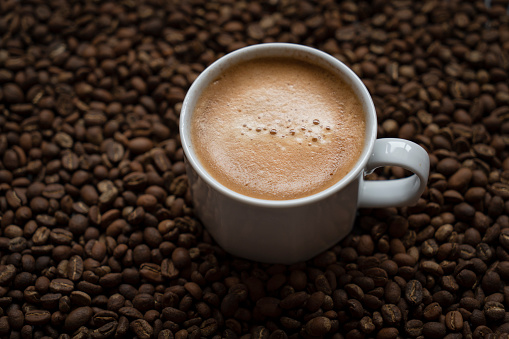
{"x": 398, "y": 192}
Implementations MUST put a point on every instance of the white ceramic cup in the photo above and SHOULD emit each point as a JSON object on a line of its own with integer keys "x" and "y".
{"x": 290, "y": 231}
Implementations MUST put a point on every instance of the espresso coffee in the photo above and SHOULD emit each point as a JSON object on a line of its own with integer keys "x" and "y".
{"x": 278, "y": 128}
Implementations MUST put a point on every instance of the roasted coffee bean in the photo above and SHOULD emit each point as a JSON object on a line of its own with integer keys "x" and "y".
{"x": 75, "y": 268}
{"x": 388, "y": 333}
{"x": 105, "y": 330}
{"x": 37, "y": 317}
{"x": 15, "y": 318}
{"x": 60, "y": 236}
{"x": 181, "y": 258}
{"x": 4, "y": 326}
{"x": 269, "y": 306}
{"x": 413, "y": 328}
{"x": 318, "y": 326}
{"x": 434, "y": 330}
{"x": 413, "y": 292}
{"x": 7, "y": 273}
{"x": 494, "y": 310}
{"x": 78, "y": 317}
{"x": 135, "y": 180}
{"x": 151, "y": 272}
{"x": 122, "y": 327}
{"x": 433, "y": 311}
{"x": 391, "y": 314}
{"x": 50, "y": 300}
{"x": 454, "y": 321}
{"x": 142, "y": 329}
{"x": 294, "y": 300}
{"x": 140, "y": 145}
{"x": 80, "y": 298}
{"x": 115, "y": 302}
{"x": 64, "y": 286}
{"x": 172, "y": 314}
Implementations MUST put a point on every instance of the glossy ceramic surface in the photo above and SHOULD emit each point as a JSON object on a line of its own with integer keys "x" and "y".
{"x": 295, "y": 230}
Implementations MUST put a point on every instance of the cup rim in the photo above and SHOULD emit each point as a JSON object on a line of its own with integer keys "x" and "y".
{"x": 226, "y": 62}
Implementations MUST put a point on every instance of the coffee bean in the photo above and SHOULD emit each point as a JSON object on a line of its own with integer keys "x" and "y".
{"x": 413, "y": 327}
{"x": 460, "y": 179}
{"x": 432, "y": 267}
{"x": 454, "y": 321}
{"x": 53, "y": 191}
{"x": 388, "y": 333}
{"x": 70, "y": 161}
{"x": 17, "y": 244}
{"x": 105, "y": 330}
{"x": 122, "y": 327}
{"x": 75, "y": 268}
{"x": 494, "y": 310}
{"x": 37, "y": 317}
{"x": 142, "y": 329}
{"x": 413, "y": 292}
{"x": 60, "y": 236}
{"x": 432, "y": 311}
{"x": 4, "y": 325}
{"x": 50, "y": 300}
{"x": 391, "y": 314}
{"x": 151, "y": 272}
{"x": 78, "y": 317}
{"x": 434, "y": 330}
{"x": 318, "y": 326}
{"x": 161, "y": 160}
{"x": 13, "y": 93}
{"x": 316, "y": 301}
{"x": 143, "y": 302}
{"x": 115, "y": 151}
{"x": 294, "y": 300}
{"x": 378, "y": 275}
{"x": 392, "y": 292}
{"x": 269, "y": 306}
{"x": 15, "y": 318}
{"x": 7, "y": 273}
{"x": 79, "y": 298}
{"x": 64, "y": 286}
{"x": 355, "y": 308}
{"x": 194, "y": 289}
{"x": 115, "y": 302}
{"x": 135, "y": 180}
{"x": 491, "y": 282}
{"x": 181, "y": 258}
{"x": 209, "y": 327}
{"x": 173, "y": 314}
{"x": 504, "y": 238}
{"x": 78, "y": 224}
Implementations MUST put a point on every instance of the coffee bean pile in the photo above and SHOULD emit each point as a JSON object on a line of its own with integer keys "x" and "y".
{"x": 98, "y": 237}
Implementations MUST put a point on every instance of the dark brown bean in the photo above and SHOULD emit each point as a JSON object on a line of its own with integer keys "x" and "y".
{"x": 142, "y": 329}
{"x": 434, "y": 330}
{"x": 78, "y": 317}
{"x": 318, "y": 326}
{"x": 413, "y": 292}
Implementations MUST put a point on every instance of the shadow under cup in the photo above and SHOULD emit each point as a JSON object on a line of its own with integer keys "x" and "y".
{"x": 282, "y": 231}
